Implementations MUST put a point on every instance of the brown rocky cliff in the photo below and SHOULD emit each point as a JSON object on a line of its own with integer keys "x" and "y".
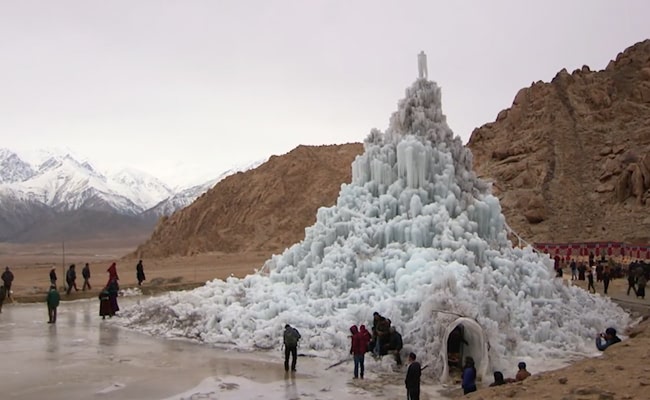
{"x": 265, "y": 209}
{"x": 570, "y": 160}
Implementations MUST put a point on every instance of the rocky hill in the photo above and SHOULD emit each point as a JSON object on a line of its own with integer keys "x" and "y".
{"x": 265, "y": 209}
{"x": 570, "y": 160}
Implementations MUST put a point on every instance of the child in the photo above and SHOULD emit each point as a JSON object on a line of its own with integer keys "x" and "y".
{"x": 105, "y": 304}
{"x": 522, "y": 373}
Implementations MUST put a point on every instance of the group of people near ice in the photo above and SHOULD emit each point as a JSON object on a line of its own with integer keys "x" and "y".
{"x": 108, "y": 305}
{"x": 604, "y": 270}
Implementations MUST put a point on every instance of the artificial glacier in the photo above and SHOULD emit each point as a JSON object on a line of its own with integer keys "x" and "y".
{"x": 415, "y": 236}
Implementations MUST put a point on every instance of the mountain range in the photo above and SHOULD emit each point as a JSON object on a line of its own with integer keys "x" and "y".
{"x": 63, "y": 196}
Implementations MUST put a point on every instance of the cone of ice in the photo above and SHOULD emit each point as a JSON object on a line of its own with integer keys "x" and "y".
{"x": 418, "y": 238}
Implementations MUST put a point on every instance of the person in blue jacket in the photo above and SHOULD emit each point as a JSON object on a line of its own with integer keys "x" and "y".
{"x": 610, "y": 339}
{"x": 469, "y": 376}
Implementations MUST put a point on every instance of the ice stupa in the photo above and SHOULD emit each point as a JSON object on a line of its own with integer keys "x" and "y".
{"x": 418, "y": 238}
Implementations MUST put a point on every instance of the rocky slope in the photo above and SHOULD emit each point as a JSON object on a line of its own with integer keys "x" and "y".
{"x": 570, "y": 160}
{"x": 266, "y": 208}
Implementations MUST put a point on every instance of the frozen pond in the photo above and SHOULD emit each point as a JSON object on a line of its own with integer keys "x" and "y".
{"x": 84, "y": 357}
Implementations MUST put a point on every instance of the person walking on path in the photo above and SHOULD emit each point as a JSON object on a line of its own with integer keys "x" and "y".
{"x": 85, "y": 273}
{"x": 291, "y": 337}
{"x": 631, "y": 282}
{"x": 53, "y": 299}
{"x": 53, "y": 276}
{"x": 606, "y": 279}
{"x": 412, "y": 380}
{"x": 574, "y": 270}
{"x": 71, "y": 279}
{"x": 139, "y": 272}
{"x": 590, "y": 279}
{"x": 8, "y": 279}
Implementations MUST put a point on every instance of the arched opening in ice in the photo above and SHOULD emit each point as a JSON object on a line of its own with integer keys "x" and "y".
{"x": 464, "y": 338}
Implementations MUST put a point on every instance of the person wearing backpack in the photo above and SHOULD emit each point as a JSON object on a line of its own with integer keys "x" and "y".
{"x": 291, "y": 337}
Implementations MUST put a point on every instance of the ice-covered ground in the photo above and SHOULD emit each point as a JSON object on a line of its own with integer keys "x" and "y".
{"x": 415, "y": 236}
{"x": 83, "y": 357}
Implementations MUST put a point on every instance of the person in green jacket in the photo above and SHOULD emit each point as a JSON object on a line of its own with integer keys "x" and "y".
{"x": 53, "y": 299}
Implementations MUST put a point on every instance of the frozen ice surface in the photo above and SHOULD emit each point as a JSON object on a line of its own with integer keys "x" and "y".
{"x": 415, "y": 236}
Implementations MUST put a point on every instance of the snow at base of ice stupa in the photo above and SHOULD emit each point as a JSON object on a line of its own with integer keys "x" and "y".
{"x": 415, "y": 236}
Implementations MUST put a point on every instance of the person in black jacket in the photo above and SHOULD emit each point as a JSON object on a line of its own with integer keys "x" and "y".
{"x": 71, "y": 279}
{"x": 53, "y": 276}
{"x": 412, "y": 380}
{"x": 394, "y": 345}
{"x": 8, "y": 279}
{"x": 139, "y": 272}
{"x": 85, "y": 272}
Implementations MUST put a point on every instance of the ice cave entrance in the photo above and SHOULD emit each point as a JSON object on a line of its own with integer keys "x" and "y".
{"x": 464, "y": 337}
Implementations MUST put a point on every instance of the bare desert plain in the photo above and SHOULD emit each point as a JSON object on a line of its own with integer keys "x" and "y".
{"x": 31, "y": 264}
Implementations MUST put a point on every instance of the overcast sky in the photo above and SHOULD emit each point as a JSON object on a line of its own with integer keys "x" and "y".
{"x": 187, "y": 89}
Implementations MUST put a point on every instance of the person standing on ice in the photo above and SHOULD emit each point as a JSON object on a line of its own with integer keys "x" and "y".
{"x": 113, "y": 289}
{"x": 358, "y": 350}
{"x": 291, "y": 338}
{"x": 412, "y": 380}
{"x": 105, "y": 308}
{"x": 53, "y": 298}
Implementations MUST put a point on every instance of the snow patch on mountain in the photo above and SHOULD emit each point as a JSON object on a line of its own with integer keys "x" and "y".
{"x": 12, "y": 168}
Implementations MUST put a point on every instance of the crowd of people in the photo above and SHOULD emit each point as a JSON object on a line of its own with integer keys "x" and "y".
{"x": 603, "y": 271}
{"x": 108, "y": 305}
{"x": 363, "y": 341}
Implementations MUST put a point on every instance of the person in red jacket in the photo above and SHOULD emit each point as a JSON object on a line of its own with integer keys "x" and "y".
{"x": 365, "y": 333}
{"x": 358, "y": 350}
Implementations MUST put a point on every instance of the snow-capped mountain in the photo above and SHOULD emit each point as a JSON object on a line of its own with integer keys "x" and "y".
{"x": 65, "y": 184}
{"x": 185, "y": 197}
{"x": 12, "y": 168}
{"x": 143, "y": 189}
{"x": 55, "y": 193}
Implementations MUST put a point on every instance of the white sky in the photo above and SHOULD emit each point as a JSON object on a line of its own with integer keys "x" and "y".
{"x": 187, "y": 89}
